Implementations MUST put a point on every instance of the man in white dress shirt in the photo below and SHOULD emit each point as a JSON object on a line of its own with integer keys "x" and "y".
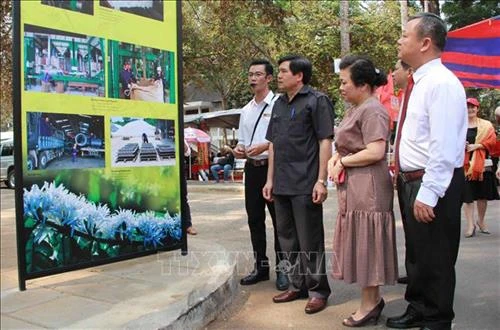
{"x": 253, "y": 146}
{"x": 431, "y": 179}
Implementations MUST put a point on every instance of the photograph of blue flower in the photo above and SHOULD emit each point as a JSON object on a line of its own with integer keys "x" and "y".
{"x": 64, "y": 228}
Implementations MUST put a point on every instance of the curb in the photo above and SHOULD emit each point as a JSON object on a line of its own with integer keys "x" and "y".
{"x": 161, "y": 291}
{"x": 207, "y": 310}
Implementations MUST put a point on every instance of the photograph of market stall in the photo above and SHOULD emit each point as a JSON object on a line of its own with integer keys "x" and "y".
{"x": 139, "y": 142}
{"x": 64, "y": 141}
{"x": 62, "y": 62}
{"x": 140, "y": 73}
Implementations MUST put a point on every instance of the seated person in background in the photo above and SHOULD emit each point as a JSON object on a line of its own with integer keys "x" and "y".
{"x": 225, "y": 162}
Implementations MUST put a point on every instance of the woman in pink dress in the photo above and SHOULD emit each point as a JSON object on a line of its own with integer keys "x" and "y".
{"x": 364, "y": 240}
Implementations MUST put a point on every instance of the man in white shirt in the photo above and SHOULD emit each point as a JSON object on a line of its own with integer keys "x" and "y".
{"x": 431, "y": 179}
{"x": 253, "y": 146}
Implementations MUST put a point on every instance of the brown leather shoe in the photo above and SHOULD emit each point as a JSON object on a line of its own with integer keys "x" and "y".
{"x": 315, "y": 305}
{"x": 288, "y": 296}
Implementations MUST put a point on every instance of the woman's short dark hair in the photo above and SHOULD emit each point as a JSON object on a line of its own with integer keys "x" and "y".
{"x": 363, "y": 71}
{"x": 269, "y": 68}
{"x": 299, "y": 64}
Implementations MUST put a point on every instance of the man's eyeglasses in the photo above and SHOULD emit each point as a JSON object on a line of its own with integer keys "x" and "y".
{"x": 256, "y": 74}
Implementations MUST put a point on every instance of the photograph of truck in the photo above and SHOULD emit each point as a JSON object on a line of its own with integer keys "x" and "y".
{"x": 62, "y": 62}
{"x": 139, "y": 142}
{"x": 64, "y": 141}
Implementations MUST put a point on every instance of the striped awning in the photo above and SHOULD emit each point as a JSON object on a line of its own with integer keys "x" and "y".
{"x": 473, "y": 53}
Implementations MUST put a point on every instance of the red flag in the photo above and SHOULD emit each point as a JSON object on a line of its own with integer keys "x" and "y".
{"x": 472, "y": 53}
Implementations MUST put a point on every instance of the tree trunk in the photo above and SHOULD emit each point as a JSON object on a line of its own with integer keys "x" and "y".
{"x": 404, "y": 13}
{"x": 224, "y": 102}
{"x": 345, "y": 43}
{"x": 426, "y": 5}
{"x": 431, "y": 6}
{"x": 434, "y": 7}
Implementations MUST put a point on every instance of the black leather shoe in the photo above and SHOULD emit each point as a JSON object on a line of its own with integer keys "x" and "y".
{"x": 410, "y": 319}
{"x": 403, "y": 280}
{"x": 282, "y": 282}
{"x": 255, "y": 277}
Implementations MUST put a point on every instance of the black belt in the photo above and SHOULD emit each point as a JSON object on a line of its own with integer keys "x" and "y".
{"x": 258, "y": 162}
{"x": 412, "y": 175}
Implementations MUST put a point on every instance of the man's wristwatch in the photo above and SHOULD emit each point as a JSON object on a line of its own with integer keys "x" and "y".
{"x": 323, "y": 182}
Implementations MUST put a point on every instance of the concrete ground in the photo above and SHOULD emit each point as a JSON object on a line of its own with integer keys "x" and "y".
{"x": 105, "y": 296}
{"x": 477, "y": 297}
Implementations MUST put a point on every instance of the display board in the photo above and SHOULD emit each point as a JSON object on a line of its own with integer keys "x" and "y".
{"x": 97, "y": 112}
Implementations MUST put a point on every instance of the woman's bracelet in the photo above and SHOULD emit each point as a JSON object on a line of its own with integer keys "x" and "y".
{"x": 341, "y": 163}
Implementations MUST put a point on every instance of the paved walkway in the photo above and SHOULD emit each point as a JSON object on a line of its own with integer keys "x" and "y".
{"x": 477, "y": 298}
{"x": 149, "y": 293}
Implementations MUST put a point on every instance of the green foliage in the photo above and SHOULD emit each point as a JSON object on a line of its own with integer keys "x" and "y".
{"x": 132, "y": 192}
{"x": 222, "y": 37}
{"x": 220, "y": 40}
{"x": 6, "y": 65}
{"x": 461, "y": 13}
